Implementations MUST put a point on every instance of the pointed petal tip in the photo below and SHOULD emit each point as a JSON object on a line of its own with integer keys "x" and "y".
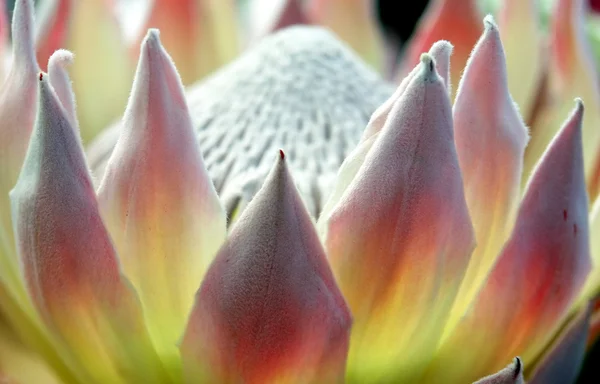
{"x": 490, "y": 24}
{"x": 152, "y": 36}
{"x": 281, "y": 155}
{"x": 429, "y": 69}
{"x": 512, "y": 374}
{"x": 517, "y": 367}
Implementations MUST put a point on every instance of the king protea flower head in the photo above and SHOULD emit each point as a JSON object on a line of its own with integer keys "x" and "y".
{"x": 293, "y": 219}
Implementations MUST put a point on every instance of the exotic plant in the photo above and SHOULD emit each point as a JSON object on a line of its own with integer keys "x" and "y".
{"x": 293, "y": 219}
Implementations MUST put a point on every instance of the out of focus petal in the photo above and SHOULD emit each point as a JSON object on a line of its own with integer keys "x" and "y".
{"x": 458, "y": 21}
{"x": 354, "y": 22}
{"x": 490, "y": 141}
{"x": 269, "y": 309}
{"x": 52, "y": 27}
{"x": 512, "y": 374}
{"x": 69, "y": 262}
{"x": 400, "y": 238}
{"x": 157, "y": 199}
{"x": 525, "y": 54}
{"x": 17, "y": 112}
{"x": 103, "y": 70}
{"x": 538, "y": 274}
{"x": 563, "y": 359}
{"x": 201, "y": 35}
{"x": 572, "y": 73}
{"x": 268, "y": 16}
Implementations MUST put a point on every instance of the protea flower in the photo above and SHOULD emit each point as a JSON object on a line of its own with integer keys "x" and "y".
{"x": 293, "y": 219}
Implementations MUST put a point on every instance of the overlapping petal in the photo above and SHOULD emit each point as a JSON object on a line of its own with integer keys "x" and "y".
{"x": 157, "y": 199}
{"x": 458, "y": 21}
{"x": 526, "y": 52}
{"x": 440, "y": 52}
{"x": 538, "y": 274}
{"x": 269, "y": 310}
{"x": 400, "y": 238}
{"x": 69, "y": 262}
{"x": 490, "y": 141}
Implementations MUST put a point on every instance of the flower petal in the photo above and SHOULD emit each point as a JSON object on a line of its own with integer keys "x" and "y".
{"x": 521, "y": 37}
{"x": 440, "y": 52}
{"x": 572, "y": 73}
{"x": 52, "y": 28}
{"x": 457, "y": 21}
{"x": 59, "y": 79}
{"x": 201, "y": 35}
{"x": 400, "y": 238}
{"x": 563, "y": 359}
{"x": 490, "y": 141}
{"x": 157, "y": 199}
{"x": 269, "y": 309}
{"x": 512, "y": 374}
{"x": 354, "y": 22}
{"x": 103, "y": 68}
{"x": 17, "y": 112}
{"x": 281, "y": 14}
{"x": 538, "y": 274}
{"x": 69, "y": 262}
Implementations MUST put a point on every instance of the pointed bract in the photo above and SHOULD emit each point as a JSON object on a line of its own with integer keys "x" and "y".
{"x": 538, "y": 274}
{"x": 157, "y": 199}
{"x": 564, "y": 357}
{"x": 490, "y": 141}
{"x": 269, "y": 309}
{"x": 512, "y": 374}
{"x": 68, "y": 259}
{"x": 440, "y": 52}
{"x": 400, "y": 237}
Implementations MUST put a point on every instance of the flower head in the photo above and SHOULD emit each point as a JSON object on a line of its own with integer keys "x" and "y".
{"x": 292, "y": 218}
